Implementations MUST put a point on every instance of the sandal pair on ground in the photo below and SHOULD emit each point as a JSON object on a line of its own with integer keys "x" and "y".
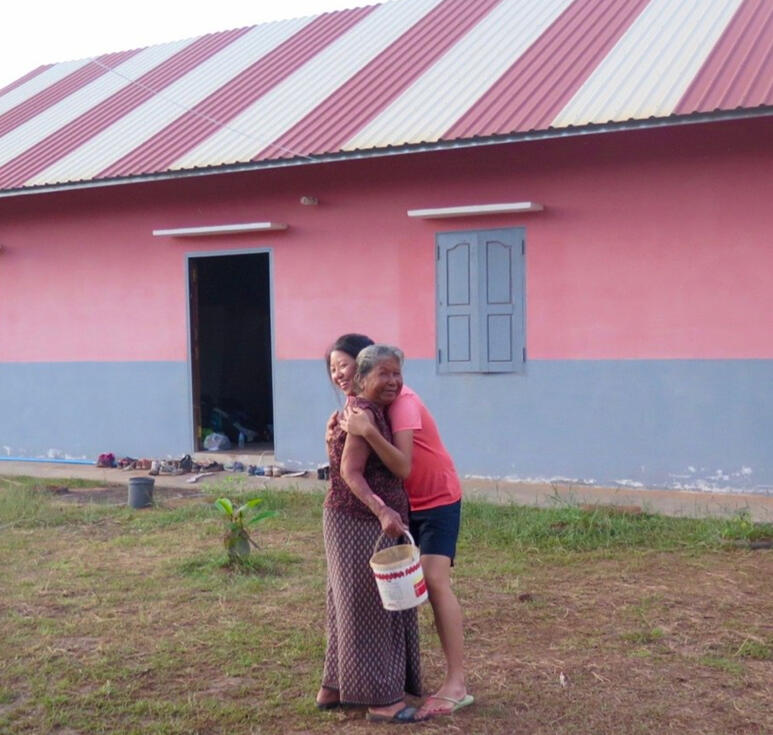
{"x": 409, "y": 714}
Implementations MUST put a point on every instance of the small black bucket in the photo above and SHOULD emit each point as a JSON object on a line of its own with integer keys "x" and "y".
{"x": 141, "y": 492}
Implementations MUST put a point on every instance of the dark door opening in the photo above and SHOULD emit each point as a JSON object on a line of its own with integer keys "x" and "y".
{"x": 231, "y": 349}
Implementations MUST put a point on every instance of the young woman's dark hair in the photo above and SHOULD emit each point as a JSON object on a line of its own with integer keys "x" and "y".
{"x": 351, "y": 344}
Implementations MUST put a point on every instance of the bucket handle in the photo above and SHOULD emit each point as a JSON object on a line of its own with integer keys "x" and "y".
{"x": 383, "y": 535}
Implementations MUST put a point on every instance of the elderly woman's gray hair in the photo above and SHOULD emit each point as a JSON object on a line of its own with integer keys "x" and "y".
{"x": 370, "y": 356}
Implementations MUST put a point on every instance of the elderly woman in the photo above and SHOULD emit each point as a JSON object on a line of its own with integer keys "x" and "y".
{"x": 417, "y": 454}
{"x": 372, "y": 655}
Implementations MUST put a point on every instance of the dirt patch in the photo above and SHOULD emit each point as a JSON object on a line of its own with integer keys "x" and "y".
{"x": 226, "y": 685}
{"x": 626, "y": 646}
{"x": 119, "y": 495}
{"x": 76, "y": 646}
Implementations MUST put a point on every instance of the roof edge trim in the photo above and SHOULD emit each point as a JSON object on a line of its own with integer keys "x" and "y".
{"x": 533, "y": 135}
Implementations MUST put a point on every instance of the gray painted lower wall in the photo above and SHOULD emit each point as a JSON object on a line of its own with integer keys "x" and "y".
{"x": 689, "y": 424}
{"x": 692, "y": 424}
{"x": 77, "y": 410}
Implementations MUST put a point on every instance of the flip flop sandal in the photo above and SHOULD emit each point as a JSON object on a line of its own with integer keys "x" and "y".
{"x": 456, "y": 705}
{"x": 332, "y": 704}
{"x": 404, "y": 716}
{"x": 328, "y": 705}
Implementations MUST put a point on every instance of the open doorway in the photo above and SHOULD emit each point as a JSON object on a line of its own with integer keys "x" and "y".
{"x": 230, "y": 303}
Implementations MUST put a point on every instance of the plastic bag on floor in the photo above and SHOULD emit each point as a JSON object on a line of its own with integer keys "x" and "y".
{"x": 215, "y": 441}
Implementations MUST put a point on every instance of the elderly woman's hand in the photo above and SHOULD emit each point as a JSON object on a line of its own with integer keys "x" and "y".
{"x": 355, "y": 421}
{"x": 391, "y": 523}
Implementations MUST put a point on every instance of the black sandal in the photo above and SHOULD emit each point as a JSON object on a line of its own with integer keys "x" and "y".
{"x": 405, "y": 715}
{"x": 328, "y": 705}
{"x": 333, "y": 704}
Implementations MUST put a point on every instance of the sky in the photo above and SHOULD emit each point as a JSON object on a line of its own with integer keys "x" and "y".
{"x": 35, "y": 32}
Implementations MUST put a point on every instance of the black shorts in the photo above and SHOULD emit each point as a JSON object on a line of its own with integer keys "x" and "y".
{"x": 435, "y": 530}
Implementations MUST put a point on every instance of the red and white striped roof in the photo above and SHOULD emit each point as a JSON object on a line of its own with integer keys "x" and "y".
{"x": 402, "y": 74}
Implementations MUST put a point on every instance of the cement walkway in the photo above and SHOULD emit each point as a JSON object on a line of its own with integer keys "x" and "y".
{"x": 666, "y": 502}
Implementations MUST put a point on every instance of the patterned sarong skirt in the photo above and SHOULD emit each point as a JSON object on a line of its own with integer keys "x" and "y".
{"x": 372, "y": 655}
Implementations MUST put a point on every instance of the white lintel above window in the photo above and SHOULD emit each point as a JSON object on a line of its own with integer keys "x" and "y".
{"x": 473, "y": 210}
{"x": 220, "y": 229}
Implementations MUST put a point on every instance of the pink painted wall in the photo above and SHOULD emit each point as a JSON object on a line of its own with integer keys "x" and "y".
{"x": 653, "y": 244}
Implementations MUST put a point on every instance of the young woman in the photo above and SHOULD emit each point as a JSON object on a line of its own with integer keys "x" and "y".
{"x": 372, "y": 655}
{"x": 417, "y": 454}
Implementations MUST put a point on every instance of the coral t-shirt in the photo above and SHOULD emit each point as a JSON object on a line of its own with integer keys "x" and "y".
{"x": 433, "y": 480}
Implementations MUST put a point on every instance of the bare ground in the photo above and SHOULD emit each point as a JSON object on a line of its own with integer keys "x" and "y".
{"x": 622, "y": 643}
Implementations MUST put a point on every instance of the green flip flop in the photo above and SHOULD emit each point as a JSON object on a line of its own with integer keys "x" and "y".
{"x": 456, "y": 705}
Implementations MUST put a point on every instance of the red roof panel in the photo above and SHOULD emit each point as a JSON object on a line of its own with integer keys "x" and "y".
{"x": 162, "y": 149}
{"x": 62, "y": 89}
{"x": 537, "y": 86}
{"x": 332, "y": 123}
{"x": 403, "y": 73}
{"x": 26, "y": 78}
{"x": 68, "y": 138}
{"x": 739, "y": 70}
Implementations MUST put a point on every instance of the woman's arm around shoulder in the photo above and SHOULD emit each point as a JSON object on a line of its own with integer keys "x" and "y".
{"x": 330, "y": 426}
{"x": 397, "y": 457}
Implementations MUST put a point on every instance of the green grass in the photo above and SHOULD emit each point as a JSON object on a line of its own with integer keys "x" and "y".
{"x": 25, "y": 503}
{"x": 514, "y": 528}
{"x": 729, "y": 665}
{"x": 755, "y": 649}
{"x": 645, "y": 636}
{"x": 518, "y": 529}
{"x": 741, "y": 528}
{"x": 122, "y": 621}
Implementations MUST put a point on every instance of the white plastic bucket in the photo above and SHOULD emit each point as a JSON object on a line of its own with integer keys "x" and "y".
{"x": 399, "y": 576}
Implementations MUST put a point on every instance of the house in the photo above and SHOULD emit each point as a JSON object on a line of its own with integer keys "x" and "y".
{"x": 560, "y": 209}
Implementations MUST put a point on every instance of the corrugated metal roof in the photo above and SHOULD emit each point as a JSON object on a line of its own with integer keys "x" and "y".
{"x": 402, "y": 74}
